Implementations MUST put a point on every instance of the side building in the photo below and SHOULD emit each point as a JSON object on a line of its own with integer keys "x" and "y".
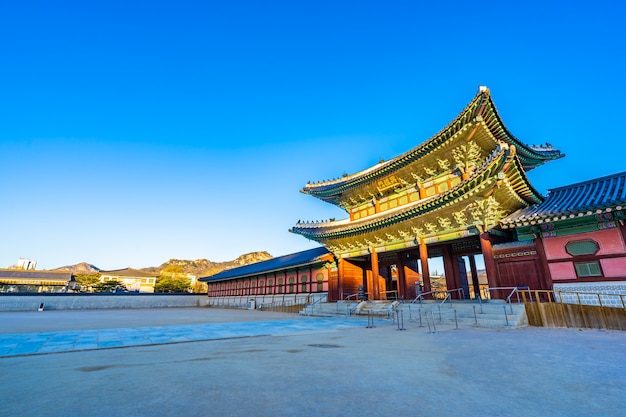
{"x": 133, "y": 279}
{"x": 288, "y": 277}
{"x": 574, "y": 241}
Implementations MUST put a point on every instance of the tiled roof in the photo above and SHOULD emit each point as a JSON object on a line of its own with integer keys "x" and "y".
{"x": 497, "y": 162}
{"x": 481, "y": 108}
{"x": 293, "y": 260}
{"x": 584, "y": 198}
{"x": 21, "y": 274}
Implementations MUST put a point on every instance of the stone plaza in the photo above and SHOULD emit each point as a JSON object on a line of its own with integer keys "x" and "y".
{"x": 219, "y": 362}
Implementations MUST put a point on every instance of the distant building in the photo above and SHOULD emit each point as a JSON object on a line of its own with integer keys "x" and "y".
{"x": 26, "y": 264}
{"x": 133, "y": 279}
{"x": 16, "y": 281}
{"x": 298, "y": 273}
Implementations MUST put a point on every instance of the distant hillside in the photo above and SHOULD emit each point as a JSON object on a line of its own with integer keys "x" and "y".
{"x": 204, "y": 267}
{"x": 199, "y": 267}
{"x": 81, "y": 268}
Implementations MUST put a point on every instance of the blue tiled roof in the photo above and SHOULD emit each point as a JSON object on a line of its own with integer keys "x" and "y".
{"x": 589, "y": 197}
{"x": 304, "y": 258}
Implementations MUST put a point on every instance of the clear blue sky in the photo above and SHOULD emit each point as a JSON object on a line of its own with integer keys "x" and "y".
{"x": 132, "y": 132}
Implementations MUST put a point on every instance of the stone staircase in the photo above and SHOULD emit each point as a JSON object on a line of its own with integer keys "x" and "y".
{"x": 467, "y": 313}
{"x": 461, "y": 313}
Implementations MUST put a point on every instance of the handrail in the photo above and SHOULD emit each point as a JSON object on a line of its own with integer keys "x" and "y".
{"x": 420, "y": 296}
{"x": 391, "y": 292}
{"x": 355, "y": 295}
{"x": 446, "y": 299}
{"x": 319, "y": 300}
{"x": 513, "y": 290}
{"x": 516, "y": 291}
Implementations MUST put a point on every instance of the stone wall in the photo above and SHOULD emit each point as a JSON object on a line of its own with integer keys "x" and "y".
{"x": 609, "y": 293}
{"x": 99, "y": 301}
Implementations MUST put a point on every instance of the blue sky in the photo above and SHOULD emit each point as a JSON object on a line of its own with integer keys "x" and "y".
{"x": 134, "y": 132}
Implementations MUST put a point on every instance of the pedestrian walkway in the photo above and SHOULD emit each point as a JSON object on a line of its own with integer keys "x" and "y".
{"x": 19, "y": 344}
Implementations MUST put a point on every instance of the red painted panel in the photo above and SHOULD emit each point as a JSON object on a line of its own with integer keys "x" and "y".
{"x": 562, "y": 270}
{"x": 614, "y": 267}
{"x": 609, "y": 240}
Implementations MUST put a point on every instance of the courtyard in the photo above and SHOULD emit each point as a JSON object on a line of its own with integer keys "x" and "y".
{"x": 316, "y": 367}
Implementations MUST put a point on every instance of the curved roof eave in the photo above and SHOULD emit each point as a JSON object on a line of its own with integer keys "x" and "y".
{"x": 574, "y": 200}
{"x": 480, "y": 105}
{"x": 493, "y": 165}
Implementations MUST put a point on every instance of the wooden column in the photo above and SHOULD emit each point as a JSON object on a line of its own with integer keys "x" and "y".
{"x": 335, "y": 283}
{"x": 402, "y": 287}
{"x": 424, "y": 265}
{"x": 490, "y": 263}
{"x": 375, "y": 290}
{"x": 450, "y": 270}
{"x": 475, "y": 281}
{"x": 546, "y": 279}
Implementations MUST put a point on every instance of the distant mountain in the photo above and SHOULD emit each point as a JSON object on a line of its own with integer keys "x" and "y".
{"x": 199, "y": 267}
{"x": 81, "y": 268}
{"x": 204, "y": 267}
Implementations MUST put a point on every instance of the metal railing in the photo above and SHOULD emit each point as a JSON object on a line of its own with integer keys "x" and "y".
{"x": 439, "y": 294}
{"x": 291, "y": 306}
{"x": 513, "y": 291}
{"x": 576, "y": 297}
{"x": 551, "y": 308}
{"x": 310, "y": 305}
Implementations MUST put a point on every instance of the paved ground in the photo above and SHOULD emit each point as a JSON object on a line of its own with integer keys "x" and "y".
{"x": 316, "y": 368}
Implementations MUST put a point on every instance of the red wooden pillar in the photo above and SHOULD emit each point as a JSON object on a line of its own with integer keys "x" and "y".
{"x": 424, "y": 265}
{"x": 340, "y": 278}
{"x": 546, "y": 279}
{"x": 375, "y": 289}
{"x": 490, "y": 263}
{"x": 475, "y": 281}
{"x": 450, "y": 267}
{"x": 402, "y": 287}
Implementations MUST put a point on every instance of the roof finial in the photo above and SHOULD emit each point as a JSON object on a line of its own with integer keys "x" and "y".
{"x": 483, "y": 89}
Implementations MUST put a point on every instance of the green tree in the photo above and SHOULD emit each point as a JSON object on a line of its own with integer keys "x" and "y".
{"x": 87, "y": 282}
{"x": 172, "y": 279}
{"x": 110, "y": 286}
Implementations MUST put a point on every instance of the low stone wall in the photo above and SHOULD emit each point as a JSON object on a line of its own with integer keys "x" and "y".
{"x": 19, "y": 302}
{"x": 609, "y": 293}
{"x": 255, "y": 301}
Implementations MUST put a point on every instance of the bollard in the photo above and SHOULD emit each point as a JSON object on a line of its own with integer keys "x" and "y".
{"x": 505, "y": 316}
{"x": 432, "y": 315}
{"x": 40, "y": 307}
{"x": 475, "y": 318}
{"x": 456, "y": 323}
{"x": 370, "y": 320}
{"x": 428, "y": 322}
{"x": 420, "y": 314}
{"x": 400, "y": 317}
